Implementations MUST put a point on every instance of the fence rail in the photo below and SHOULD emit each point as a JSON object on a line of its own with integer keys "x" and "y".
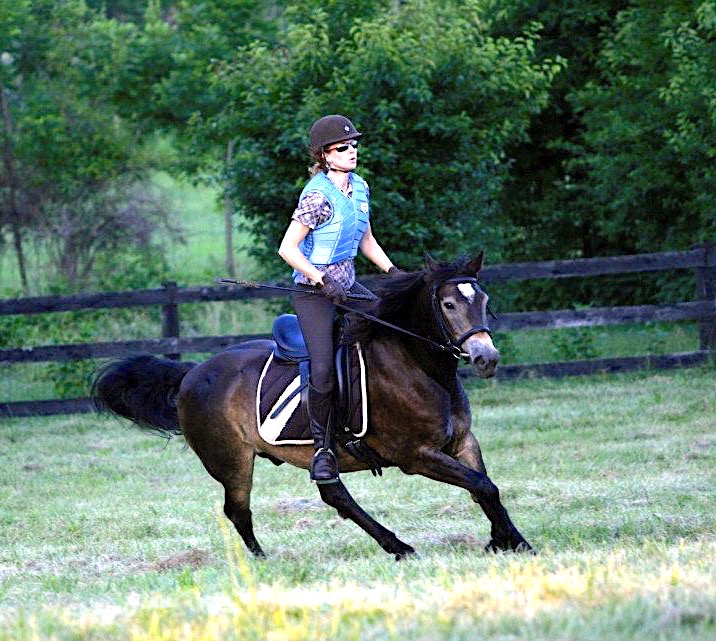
{"x": 701, "y": 260}
{"x": 559, "y": 319}
{"x": 171, "y": 295}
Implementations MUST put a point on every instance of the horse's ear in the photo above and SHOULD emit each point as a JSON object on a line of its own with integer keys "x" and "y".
{"x": 475, "y": 265}
{"x": 430, "y": 262}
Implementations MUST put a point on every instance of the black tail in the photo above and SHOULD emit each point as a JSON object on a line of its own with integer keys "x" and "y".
{"x": 142, "y": 389}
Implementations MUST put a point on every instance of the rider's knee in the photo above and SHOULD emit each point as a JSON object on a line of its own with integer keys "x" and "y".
{"x": 322, "y": 377}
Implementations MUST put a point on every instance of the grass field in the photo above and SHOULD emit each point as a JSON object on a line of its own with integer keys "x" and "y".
{"x": 108, "y": 533}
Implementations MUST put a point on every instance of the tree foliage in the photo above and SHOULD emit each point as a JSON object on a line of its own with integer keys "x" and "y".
{"x": 438, "y": 100}
{"x": 72, "y": 161}
{"x": 649, "y": 141}
{"x": 537, "y": 130}
{"x": 622, "y": 159}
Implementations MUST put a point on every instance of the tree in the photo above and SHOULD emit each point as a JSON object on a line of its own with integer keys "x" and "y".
{"x": 648, "y": 144}
{"x": 165, "y": 84}
{"x": 619, "y": 161}
{"x": 70, "y": 158}
{"x": 549, "y": 222}
{"x": 690, "y": 93}
{"x": 15, "y": 211}
{"x": 438, "y": 98}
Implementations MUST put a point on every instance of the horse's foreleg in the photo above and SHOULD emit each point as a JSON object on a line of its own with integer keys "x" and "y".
{"x": 439, "y": 466}
{"x": 469, "y": 454}
{"x": 336, "y": 495}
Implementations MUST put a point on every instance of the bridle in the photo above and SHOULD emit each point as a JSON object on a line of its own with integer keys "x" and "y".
{"x": 454, "y": 345}
{"x": 449, "y": 345}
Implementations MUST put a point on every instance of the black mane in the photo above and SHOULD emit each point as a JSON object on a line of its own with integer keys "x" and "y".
{"x": 404, "y": 297}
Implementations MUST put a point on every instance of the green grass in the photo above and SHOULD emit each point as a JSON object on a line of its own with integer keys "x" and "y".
{"x": 537, "y": 346}
{"x": 108, "y": 533}
{"x": 201, "y": 258}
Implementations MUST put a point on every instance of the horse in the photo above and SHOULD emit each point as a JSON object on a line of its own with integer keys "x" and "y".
{"x": 419, "y": 413}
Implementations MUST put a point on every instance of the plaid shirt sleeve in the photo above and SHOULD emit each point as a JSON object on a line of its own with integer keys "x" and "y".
{"x": 312, "y": 210}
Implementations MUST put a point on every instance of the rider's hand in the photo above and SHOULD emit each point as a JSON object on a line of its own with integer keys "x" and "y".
{"x": 333, "y": 290}
{"x": 395, "y": 271}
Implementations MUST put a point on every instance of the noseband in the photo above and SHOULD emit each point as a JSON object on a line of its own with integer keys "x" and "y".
{"x": 454, "y": 345}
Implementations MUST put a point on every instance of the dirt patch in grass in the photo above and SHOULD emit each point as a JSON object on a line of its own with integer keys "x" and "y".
{"x": 88, "y": 565}
{"x": 456, "y": 540}
{"x": 293, "y": 505}
{"x": 193, "y": 558}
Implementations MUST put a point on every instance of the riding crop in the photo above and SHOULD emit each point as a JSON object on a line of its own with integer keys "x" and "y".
{"x": 451, "y": 349}
{"x": 254, "y": 285}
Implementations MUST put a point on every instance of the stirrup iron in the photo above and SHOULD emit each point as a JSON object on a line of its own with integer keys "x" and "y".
{"x": 329, "y": 451}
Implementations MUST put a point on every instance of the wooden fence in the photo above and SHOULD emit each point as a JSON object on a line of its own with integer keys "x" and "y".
{"x": 701, "y": 260}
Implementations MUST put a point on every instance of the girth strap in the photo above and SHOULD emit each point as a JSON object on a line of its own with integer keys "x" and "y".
{"x": 358, "y": 449}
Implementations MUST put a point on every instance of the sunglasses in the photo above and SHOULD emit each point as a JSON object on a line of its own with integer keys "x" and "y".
{"x": 344, "y": 147}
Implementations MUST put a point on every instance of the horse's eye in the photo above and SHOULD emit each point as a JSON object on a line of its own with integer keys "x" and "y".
{"x": 449, "y": 305}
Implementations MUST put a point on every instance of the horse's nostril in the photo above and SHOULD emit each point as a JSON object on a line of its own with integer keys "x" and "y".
{"x": 480, "y": 361}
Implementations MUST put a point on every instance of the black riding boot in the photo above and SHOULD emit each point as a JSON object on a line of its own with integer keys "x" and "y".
{"x": 324, "y": 468}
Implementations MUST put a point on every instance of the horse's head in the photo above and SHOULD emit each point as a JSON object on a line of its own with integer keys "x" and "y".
{"x": 460, "y": 310}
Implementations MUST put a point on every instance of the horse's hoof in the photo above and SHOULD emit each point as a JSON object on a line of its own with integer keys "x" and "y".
{"x": 256, "y": 550}
{"x": 407, "y": 554}
{"x": 520, "y": 546}
{"x": 525, "y": 548}
{"x": 493, "y": 547}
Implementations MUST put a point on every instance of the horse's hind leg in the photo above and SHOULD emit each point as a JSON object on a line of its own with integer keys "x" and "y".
{"x": 234, "y": 469}
{"x": 470, "y": 455}
{"x": 237, "y": 497}
{"x": 336, "y": 495}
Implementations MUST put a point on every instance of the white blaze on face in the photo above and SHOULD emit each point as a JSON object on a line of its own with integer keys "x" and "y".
{"x": 481, "y": 338}
{"x": 468, "y": 291}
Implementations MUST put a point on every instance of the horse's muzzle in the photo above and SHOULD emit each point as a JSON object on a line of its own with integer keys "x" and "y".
{"x": 483, "y": 354}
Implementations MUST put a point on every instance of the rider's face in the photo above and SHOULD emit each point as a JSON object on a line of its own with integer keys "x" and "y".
{"x": 343, "y": 155}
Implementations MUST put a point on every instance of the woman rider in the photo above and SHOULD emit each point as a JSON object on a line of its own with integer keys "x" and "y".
{"x": 329, "y": 225}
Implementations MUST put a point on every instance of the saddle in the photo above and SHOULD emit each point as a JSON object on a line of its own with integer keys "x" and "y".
{"x": 282, "y": 392}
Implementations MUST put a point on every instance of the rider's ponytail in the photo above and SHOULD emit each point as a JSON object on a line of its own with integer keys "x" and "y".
{"x": 319, "y": 165}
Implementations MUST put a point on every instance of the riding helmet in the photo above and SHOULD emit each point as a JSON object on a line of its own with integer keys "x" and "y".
{"x": 329, "y": 129}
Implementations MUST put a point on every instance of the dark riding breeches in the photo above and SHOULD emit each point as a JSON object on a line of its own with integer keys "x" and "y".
{"x": 316, "y": 315}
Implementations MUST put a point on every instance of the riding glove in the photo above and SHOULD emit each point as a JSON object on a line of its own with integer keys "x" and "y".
{"x": 395, "y": 271}
{"x": 333, "y": 290}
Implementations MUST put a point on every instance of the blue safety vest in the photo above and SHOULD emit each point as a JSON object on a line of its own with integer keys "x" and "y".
{"x": 337, "y": 238}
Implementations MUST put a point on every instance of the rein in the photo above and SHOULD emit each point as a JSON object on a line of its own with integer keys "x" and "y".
{"x": 253, "y": 285}
{"x": 450, "y": 346}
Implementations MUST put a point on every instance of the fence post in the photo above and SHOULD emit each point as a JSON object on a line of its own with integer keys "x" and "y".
{"x": 706, "y": 290}
{"x": 170, "y": 317}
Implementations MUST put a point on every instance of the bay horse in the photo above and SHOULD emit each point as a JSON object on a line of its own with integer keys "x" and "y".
{"x": 419, "y": 414}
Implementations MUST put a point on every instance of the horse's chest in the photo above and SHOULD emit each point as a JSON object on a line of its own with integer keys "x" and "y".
{"x": 418, "y": 407}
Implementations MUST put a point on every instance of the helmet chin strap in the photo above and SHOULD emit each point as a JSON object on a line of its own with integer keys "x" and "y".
{"x": 331, "y": 168}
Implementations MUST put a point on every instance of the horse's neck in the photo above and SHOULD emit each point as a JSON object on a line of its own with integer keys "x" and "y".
{"x": 398, "y": 356}
{"x": 403, "y": 351}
